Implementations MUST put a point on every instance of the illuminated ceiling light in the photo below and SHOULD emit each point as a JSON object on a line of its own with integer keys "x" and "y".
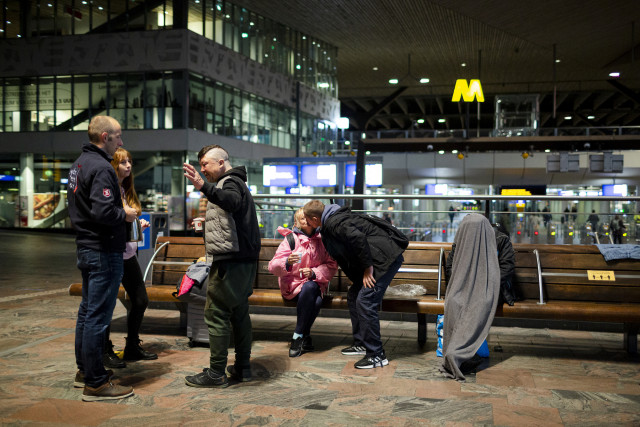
{"x": 568, "y": 117}
{"x": 102, "y": 8}
{"x": 49, "y": 4}
{"x": 367, "y": 152}
{"x": 557, "y": 61}
{"x": 614, "y": 74}
{"x": 591, "y": 117}
{"x": 375, "y": 68}
{"x": 252, "y": 23}
{"x": 393, "y": 81}
{"x": 323, "y": 85}
{"x": 454, "y": 151}
{"x": 441, "y": 152}
{"x": 347, "y": 143}
{"x": 442, "y": 120}
{"x": 464, "y": 64}
{"x": 420, "y": 121}
{"x": 245, "y": 35}
{"x": 424, "y": 80}
{"x": 547, "y": 150}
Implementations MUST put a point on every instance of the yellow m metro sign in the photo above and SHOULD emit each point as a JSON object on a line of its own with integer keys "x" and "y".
{"x": 473, "y": 90}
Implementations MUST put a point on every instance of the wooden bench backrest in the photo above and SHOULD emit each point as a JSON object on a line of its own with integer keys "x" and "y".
{"x": 574, "y": 259}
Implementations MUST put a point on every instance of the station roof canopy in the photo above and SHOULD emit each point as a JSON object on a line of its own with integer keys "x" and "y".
{"x": 562, "y": 51}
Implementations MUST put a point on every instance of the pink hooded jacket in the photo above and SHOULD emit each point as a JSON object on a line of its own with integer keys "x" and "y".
{"x": 314, "y": 256}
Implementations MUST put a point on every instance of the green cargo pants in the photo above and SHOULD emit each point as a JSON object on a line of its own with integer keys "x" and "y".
{"x": 227, "y": 308}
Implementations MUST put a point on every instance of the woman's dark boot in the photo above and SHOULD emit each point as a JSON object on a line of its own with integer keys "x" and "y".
{"x": 133, "y": 351}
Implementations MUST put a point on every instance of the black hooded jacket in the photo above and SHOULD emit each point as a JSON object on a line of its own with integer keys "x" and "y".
{"x": 358, "y": 241}
{"x": 95, "y": 206}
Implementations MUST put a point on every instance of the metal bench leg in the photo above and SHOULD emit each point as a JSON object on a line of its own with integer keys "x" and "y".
{"x": 631, "y": 337}
{"x": 422, "y": 329}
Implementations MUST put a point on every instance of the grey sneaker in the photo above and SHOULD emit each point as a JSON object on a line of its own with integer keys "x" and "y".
{"x": 107, "y": 391}
{"x": 239, "y": 374}
{"x": 207, "y": 379}
{"x": 354, "y": 350}
{"x": 79, "y": 380}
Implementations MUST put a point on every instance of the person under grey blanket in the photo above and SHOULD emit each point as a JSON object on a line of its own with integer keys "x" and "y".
{"x": 472, "y": 296}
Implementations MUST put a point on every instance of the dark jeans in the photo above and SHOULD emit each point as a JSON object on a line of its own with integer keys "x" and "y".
{"x": 133, "y": 283}
{"x": 227, "y": 307}
{"x": 101, "y": 275}
{"x": 363, "y": 308}
{"x": 308, "y": 304}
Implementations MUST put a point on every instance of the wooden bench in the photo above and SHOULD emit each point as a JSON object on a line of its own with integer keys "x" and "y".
{"x": 555, "y": 275}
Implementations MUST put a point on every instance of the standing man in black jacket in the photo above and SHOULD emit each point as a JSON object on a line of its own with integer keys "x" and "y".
{"x": 369, "y": 251}
{"x": 98, "y": 216}
{"x": 232, "y": 243}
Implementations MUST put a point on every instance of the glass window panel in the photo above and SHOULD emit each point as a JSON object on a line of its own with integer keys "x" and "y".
{"x": 46, "y": 103}
{"x": 209, "y": 96}
{"x": 196, "y": 102}
{"x": 134, "y": 97}
{"x": 98, "y": 93}
{"x": 219, "y": 22}
{"x": 195, "y": 17}
{"x": 153, "y": 99}
{"x": 209, "y": 18}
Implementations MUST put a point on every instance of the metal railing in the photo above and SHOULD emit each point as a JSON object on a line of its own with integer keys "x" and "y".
{"x": 433, "y": 221}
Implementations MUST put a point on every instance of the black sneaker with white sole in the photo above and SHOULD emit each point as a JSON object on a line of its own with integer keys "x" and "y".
{"x": 354, "y": 350}
{"x": 370, "y": 362}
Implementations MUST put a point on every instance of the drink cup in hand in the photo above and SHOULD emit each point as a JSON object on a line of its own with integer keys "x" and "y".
{"x": 197, "y": 224}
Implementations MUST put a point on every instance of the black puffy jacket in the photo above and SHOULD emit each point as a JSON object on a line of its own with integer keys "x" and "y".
{"x": 358, "y": 241}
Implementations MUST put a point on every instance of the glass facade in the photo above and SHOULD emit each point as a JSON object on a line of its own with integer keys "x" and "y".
{"x": 282, "y": 49}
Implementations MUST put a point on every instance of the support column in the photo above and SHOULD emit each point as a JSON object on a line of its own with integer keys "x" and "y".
{"x": 26, "y": 189}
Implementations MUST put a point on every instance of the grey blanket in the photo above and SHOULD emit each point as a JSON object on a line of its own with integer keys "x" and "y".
{"x": 472, "y": 294}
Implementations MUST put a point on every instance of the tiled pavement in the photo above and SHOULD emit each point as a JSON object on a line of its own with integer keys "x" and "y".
{"x": 534, "y": 377}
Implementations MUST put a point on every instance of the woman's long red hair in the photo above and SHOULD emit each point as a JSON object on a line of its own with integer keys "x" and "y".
{"x": 130, "y": 194}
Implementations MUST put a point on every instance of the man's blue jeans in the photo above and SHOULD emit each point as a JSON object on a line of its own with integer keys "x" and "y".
{"x": 101, "y": 276}
{"x": 363, "y": 308}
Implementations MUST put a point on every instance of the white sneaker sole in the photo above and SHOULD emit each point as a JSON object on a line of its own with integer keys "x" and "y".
{"x": 383, "y": 362}
{"x": 98, "y": 398}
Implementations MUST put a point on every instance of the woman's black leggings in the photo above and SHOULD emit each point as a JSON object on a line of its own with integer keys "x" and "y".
{"x": 133, "y": 283}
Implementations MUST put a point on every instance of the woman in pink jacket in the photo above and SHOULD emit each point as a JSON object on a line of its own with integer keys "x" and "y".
{"x": 303, "y": 275}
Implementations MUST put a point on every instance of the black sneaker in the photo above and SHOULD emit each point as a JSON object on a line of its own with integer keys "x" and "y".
{"x": 354, "y": 350}
{"x": 107, "y": 391}
{"x": 295, "y": 349}
{"x": 239, "y": 374}
{"x": 79, "y": 380}
{"x": 111, "y": 360}
{"x": 307, "y": 344}
{"x": 371, "y": 362}
{"x": 133, "y": 351}
{"x": 207, "y": 379}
